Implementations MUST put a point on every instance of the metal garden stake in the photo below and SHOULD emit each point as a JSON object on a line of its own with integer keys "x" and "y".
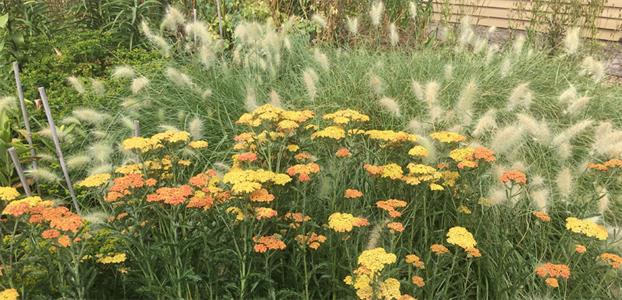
{"x": 22, "y": 106}
{"x": 136, "y": 128}
{"x": 59, "y": 152}
{"x": 20, "y": 171}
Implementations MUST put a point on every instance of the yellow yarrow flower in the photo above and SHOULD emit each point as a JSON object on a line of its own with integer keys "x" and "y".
{"x": 140, "y": 144}
{"x": 245, "y": 187}
{"x": 447, "y": 137}
{"x": 345, "y": 116}
{"x": 184, "y": 162}
{"x": 198, "y": 144}
{"x": 460, "y": 236}
{"x": 298, "y": 116}
{"x": 462, "y": 154}
{"x": 95, "y": 180}
{"x": 418, "y": 151}
{"x": 436, "y": 187}
{"x": 392, "y": 171}
{"x": 331, "y": 132}
{"x": 271, "y": 113}
{"x": 239, "y": 215}
{"x": 172, "y": 136}
{"x": 376, "y": 259}
{"x": 9, "y": 294}
{"x": 587, "y": 228}
{"x": 260, "y": 176}
{"x": 391, "y": 136}
{"x": 129, "y": 169}
{"x": 281, "y": 179}
{"x": 390, "y": 289}
{"x": 287, "y": 124}
{"x": 420, "y": 169}
{"x": 450, "y": 177}
{"x": 341, "y": 222}
{"x": 363, "y": 287}
{"x": 8, "y": 193}
{"x": 112, "y": 259}
{"x": 463, "y": 209}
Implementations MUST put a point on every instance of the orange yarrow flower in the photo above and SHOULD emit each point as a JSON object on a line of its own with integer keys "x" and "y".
{"x": 395, "y": 226}
{"x": 303, "y": 171}
{"x": 297, "y": 217}
{"x": 122, "y": 186}
{"x": 390, "y": 206}
{"x": 484, "y": 154}
{"x": 553, "y": 270}
{"x": 200, "y": 200}
{"x": 302, "y": 156}
{"x": 514, "y": 176}
{"x": 373, "y": 170}
{"x": 418, "y": 281}
{"x": 353, "y": 194}
{"x": 261, "y": 195}
{"x": 414, "y": 260}
{"x": 343, "y": 152}
{"x": 60, "y": 218}
{"x": 580, "y": 249}
{"x": 597, "y": 167}
{"x": 614, "y": 260}
{"x": 50, "y": 234}
{"x": 265, "y": 213}
{"x": 439, "y": 249}
{"x": 64, "y": 241}
{"x": 151, "y": 182}
{"x": 603, "y": 167}
{"x": 268, "y": 242}
{"x": 247, "y": 156}
{"x": 544, "y": 217}
{"x": 614, "y": 163}
{"x": 202, "y": 179}
{"x": 312, "y": 240}
{"x": 473, "y": 252}
{"x": 360, "y": 222}
{"x": 552, "y": 282}
{"x": 171, "y": 195}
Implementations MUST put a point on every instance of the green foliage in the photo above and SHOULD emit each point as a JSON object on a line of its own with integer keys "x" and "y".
{"x": 554, "y": 18}
{"x": 120, "y": 18}
{"x": 85, "y": 54}
{"x": 27, "y": 22}
{"x": 10, "y": 137}
{"x": 6, "y": 137}
{"x": 4, "y": 19}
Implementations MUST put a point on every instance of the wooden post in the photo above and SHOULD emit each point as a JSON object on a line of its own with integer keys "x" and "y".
{"x": 22, "y": 106}
{"x": 20, "y": 171}
{"x": 136, "y": 128}
{"x": 59, "y": 151}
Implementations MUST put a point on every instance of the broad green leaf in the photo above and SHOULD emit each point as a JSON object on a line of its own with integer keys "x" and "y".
{"x": 4, "y": 19}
